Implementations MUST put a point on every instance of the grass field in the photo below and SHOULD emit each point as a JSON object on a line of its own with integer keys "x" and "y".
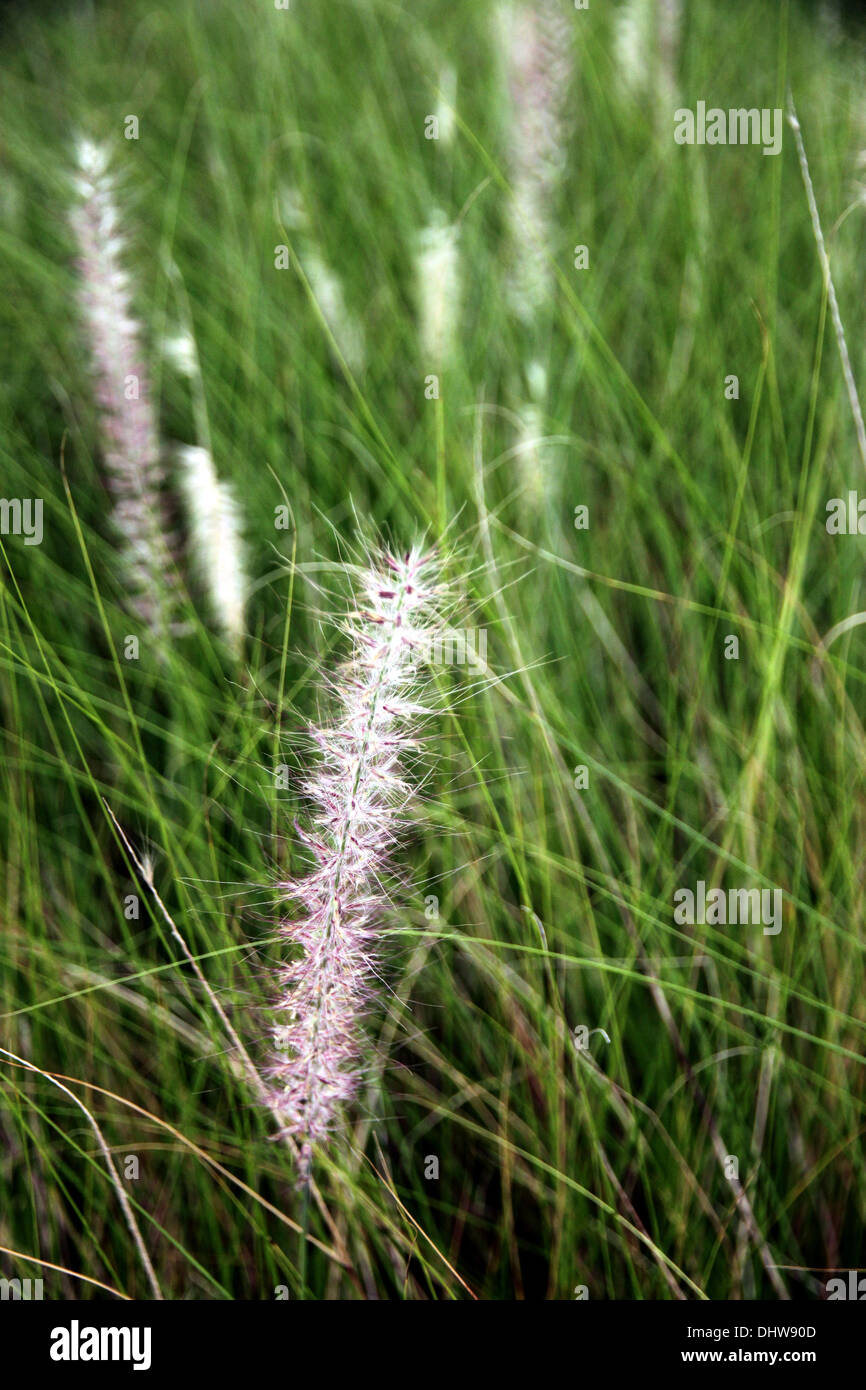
{"x": 708, "y": 1143}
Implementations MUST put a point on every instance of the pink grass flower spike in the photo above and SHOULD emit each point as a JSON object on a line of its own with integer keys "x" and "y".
{"x": 540, "y": 38}
{"x": 360, "y": 797}
{"x": 128, "y": 425}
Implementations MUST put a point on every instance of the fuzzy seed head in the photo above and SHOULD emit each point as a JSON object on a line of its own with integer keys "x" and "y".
{"x": 215, "y": 534}
{"x": 360, "y": 795}
{"x": 532, "y": 455}
{"x": 446, "y": 104}
{"x": 540, "y": 67}
{"x": 437, "y": 272}
{"x": 328, "y": 292}
{"x": 179, "y": 350}
{"x": 128, "y": 428}
{"x": 327, "y": 287}
{"x": 646, "y": 40}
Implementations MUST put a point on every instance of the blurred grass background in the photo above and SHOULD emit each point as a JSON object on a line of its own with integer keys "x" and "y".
{"x": 557, "y": 1169}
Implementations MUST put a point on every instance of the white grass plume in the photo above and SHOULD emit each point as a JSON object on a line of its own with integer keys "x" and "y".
{"x": 360, "y": 789}
{"x": 632, "y": 39}
{"x": 437, "y": 278}
{"x": 128, "y": 425}
{"x": 646, "y": 45}
{"x": 326, "y": 285}
{"x": 327, "y": 290}
{"x": 538, "y": 39}
{"x": 446, "y": 104}
{"x": 216, "y": 541}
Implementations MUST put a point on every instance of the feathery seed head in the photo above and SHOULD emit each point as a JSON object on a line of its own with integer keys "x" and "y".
{"x": 360, "y": 797}
{"x": 632, "y": 37}
{"x": 328, "y": 292}
{"x": 532, "y": 454}
{"x": 128, "y": 426}
{"x": 437, "y": 271}
{"x": 536, "y": 380}
{"x": 445, "y": 106}
{"x": 215, "y": 532}
{"x": 180, "y": 351}
{"x": 540, "y": 67}
{"x": 669, "y": 30}
{"x": 646, "y": 45}
{"x": 326, "y": 285}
